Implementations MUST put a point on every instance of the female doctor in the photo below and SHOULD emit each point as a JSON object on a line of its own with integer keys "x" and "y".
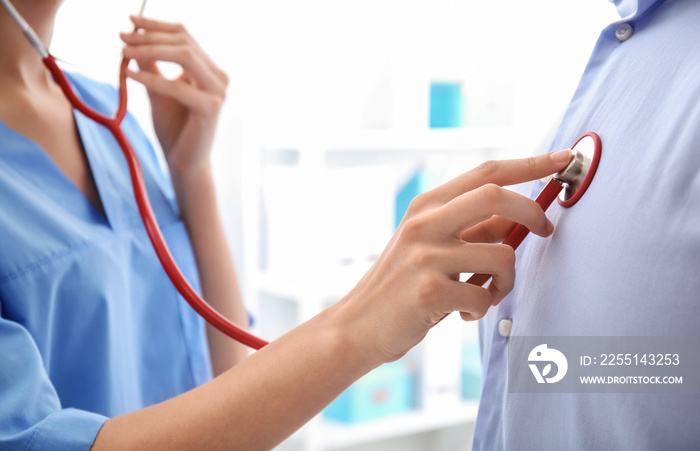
{"x": 96, "y": 347}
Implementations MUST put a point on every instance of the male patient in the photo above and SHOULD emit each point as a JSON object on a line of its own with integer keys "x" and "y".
{"x": 625, "y": 260}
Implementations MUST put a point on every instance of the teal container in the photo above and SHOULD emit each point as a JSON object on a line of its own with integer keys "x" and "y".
{"x": 383, "y": 392}
{"x": 446, "y": 105}
{"x": 471, "y": 372}
{"x": 414, "y": 186}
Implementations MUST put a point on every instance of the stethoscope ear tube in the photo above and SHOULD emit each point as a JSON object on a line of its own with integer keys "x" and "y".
{"x": 160, "y": 247}
{"x": 166, "y": 259}
{"x": 27, "y": 30}
{"x": 113, "y": 124}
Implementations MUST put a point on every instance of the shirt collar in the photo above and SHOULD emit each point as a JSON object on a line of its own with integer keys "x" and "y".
{"x": 629, "y": 9}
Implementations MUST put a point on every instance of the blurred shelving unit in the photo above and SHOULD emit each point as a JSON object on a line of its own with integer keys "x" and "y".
{"x": 309, "y": 240}
{"x": 336, "y": 436}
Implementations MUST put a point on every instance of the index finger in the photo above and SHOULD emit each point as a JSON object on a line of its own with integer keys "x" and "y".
{"x": 476, "y": 206}
{"x": 504, "y": 172}
{"x": 156, "y": 25}
{"x": 159, "y": 28}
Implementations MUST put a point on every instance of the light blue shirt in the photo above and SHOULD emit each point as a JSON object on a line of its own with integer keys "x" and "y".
{"x": 90, "y": 325}
{"x": 625, "y": 260}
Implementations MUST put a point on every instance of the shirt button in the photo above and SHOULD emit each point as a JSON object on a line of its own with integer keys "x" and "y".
{"x": 624, "y": 32}
{"x": 504, "y": 327}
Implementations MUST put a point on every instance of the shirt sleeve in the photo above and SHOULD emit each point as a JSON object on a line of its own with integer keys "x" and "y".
{"x": 31, "y": 415}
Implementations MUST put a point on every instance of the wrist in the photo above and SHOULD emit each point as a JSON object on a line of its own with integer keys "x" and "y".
{"x": 194, "y": 187}
{"x": 347, "y": 329}
{"x": 188, "y": 173}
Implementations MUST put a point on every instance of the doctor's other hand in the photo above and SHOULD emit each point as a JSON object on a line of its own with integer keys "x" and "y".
{"x": 185, "y": 109}
{"x": 447, "y": 231}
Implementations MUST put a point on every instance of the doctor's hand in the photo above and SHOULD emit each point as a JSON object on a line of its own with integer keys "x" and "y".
{"x": 447, "y": 231}
{"x": 185, "y": 109}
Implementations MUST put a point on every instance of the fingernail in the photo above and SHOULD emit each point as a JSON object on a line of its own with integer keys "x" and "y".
{"x": 550, "y": 227}
{"x": 560, "y": 156}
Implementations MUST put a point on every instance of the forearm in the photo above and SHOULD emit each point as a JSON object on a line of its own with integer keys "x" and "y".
{"x": 256, "y": 404}
{"x": 220, "y": 288}
{"x": 410, "y": 289}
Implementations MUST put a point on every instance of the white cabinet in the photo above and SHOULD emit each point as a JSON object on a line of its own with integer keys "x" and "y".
{"x": 316, "y": 216}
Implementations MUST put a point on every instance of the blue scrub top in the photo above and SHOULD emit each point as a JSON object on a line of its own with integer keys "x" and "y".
{"x": 624, "y": 260}
{"x": 90, "y": 326}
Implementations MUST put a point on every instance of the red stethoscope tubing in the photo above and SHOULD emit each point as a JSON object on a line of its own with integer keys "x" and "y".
{"x": 149, "y": 221}
{"x": 516, "y": 236}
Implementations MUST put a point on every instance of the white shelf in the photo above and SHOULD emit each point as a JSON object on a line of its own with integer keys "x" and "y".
{"x": 337, "y": 435}
{"x": 426, "y": 140}
{"x": 430, "y": 139}
{"x": 292, "y": 285}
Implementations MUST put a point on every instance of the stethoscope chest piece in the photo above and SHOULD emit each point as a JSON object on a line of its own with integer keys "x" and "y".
{"x": 569, "y": 185}
{"x": 577, "y": 176}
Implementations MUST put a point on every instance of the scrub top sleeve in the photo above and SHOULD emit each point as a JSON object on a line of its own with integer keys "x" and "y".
{"x": 31, "y": 415}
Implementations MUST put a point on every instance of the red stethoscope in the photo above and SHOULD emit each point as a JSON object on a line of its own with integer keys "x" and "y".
{"x": 113, "y": 125}
{"x": 570, "y": 182}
